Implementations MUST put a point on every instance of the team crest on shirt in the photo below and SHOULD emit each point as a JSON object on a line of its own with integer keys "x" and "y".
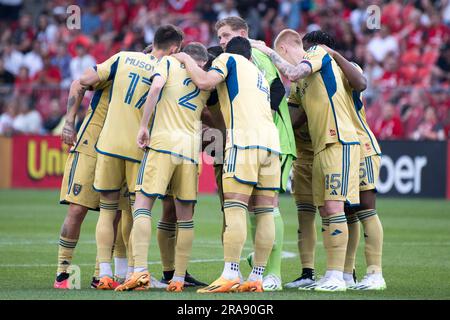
{"x": 332, "y": 132}
{"x": 76, "y": 189}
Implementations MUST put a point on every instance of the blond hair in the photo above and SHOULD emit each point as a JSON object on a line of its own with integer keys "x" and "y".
{"x": 287, "y": 35}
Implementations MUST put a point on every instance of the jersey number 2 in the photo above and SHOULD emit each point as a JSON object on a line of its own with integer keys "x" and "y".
{"x": 184, "y": 100}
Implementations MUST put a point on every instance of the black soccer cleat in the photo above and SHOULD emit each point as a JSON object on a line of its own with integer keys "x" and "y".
{"x": 94, "y": 283}
{"x": 189, "y": 280}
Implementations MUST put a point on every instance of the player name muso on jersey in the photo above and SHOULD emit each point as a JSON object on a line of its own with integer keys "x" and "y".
{"x": 139, "y": 63}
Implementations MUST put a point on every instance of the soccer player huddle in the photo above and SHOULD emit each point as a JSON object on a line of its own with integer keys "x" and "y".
{"x": 142, "y": 137}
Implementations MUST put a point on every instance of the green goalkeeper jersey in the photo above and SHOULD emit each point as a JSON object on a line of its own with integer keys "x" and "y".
{"x": 281, "y": 118}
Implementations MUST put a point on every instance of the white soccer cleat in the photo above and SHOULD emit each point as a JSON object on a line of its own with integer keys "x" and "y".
{"x": 302, "y": 283}
{"x": 330, "y": 284}
{"x": 372, "y": 281}
{"x": 272, "y": 283}
{"x": 155, "y": 283}
{"x": 349, "y": 279}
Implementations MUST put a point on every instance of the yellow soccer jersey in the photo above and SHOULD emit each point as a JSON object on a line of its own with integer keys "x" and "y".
{"x": 93, "y": 121}
{"x": 245, "y": 104}
{"x": 369, "y": 144}
{"x": 130, "y": 73}
{"x": 176, "y": 126}
{"x": 323, "y": 96}
{"x": 302, "y": 137}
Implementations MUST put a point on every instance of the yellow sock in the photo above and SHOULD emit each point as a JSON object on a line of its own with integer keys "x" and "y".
{"x": 373, "y": 236}
{"x": 104, "y": 233}
{"x": 167, "y": 237}
{"x": 127, "y": 225}
{"x": 326, "y": 233}
{"x": 120, "y": 251}
{"x": 353, "y": 242}
{"x": 183, "y": 249}
{"x": 338, "y": 242}
{"x": 141, "y": 235}
{"x": 307, "y": 235}
{"x": 235, "y": 232}
{"x": 65, "y": 253}
{"x": 264, "y": 236}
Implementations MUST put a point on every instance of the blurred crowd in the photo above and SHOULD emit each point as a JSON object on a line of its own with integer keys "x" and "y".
{"x": 406, "y": 60}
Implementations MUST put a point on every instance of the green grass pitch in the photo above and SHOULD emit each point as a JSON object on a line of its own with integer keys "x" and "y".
{"x": 416, "y": 251}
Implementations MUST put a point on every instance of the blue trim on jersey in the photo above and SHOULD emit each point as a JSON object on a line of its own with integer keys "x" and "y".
{"x": 113, "y": 70}
{"x": 72, "y": 172}
{"x": 329, "y": 81}
{"x": 173, "y": 154}
{"x": 232, "y": 89}
{"x": 105, "y": 190}
{"x": 270, "y": 189}
{"x": 115, "y": 155}
{"x": 186, "y": 201}
{"x": 216, "y": 69}
{"x": 308, "y": 63}
{"x": 358, "y": 106}
{"x": 112, "y": 75}
{"x": 244, "y": 181}
{"x": 257, "y": 147}
{"x": 140, "y": 176}
{"x": 141, "y": 101}
{"x": 156, "y": 109}
{"x": 149, "y": 195}
{"x": 351, "y": 205}
{"x": 94, "y": 103}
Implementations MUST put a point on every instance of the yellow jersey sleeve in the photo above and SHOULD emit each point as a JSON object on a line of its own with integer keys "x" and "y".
{"x": 220, "y": 65}
{"x": 107, "y": 69}
{"x": 314, "y": 57}
{"x": 162, "y": 69}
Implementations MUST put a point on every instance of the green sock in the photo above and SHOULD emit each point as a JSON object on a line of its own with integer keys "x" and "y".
{"x": 274, "y": 262}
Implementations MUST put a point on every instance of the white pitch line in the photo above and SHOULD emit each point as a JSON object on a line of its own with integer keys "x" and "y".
{"x": 284, "y": 255}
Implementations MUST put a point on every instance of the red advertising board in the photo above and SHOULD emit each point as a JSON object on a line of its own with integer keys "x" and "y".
{"x": 39, "y": 161}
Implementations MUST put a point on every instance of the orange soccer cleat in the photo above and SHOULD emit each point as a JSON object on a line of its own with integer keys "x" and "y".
{"x": 251, "y": 286}
{"x": 137, "y": 280}
{"x": 221, "y": 285}
{"x": 107, "y": 283}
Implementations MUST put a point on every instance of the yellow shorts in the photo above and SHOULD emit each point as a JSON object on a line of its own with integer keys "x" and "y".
{"x": 112, "y": 172}
{"x": 369, "y": 171}
{"x": 248, "y": 169}
{"x": 77, "y": 181}
{"x": 302, "y": 179}
{"x": 335, "y": 174}
{"x": 160, "y": 172}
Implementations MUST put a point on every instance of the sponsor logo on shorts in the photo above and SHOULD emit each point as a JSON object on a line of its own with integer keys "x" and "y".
{"x": 76, "y": 189}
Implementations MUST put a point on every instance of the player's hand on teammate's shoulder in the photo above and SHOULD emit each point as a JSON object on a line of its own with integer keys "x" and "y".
{"x": 69, "y": 135}
{"x": 143, "y": 138}
{"x": 260, "y": 45}
{"x": 181, "y": 56}
{"x": 330, "y": 51}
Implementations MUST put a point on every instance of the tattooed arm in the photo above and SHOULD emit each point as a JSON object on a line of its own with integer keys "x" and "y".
{"x": 293, "y": 73}
{"x": 76, "y": 94}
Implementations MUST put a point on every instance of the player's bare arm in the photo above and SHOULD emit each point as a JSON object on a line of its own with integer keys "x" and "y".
{"x": 143, "y": 138}
{"x": 76, "y": 94}
{"x": 355, "y": 78}
{"x": 202, "y": 79}
{"x": 293, "y": 73}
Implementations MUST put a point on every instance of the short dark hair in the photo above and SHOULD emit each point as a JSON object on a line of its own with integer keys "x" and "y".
{"x": 197, "y": 51}
{"x": 166, "y": 36}
{"x": 239, "y": 45}
{"x": 319, "y": 37}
